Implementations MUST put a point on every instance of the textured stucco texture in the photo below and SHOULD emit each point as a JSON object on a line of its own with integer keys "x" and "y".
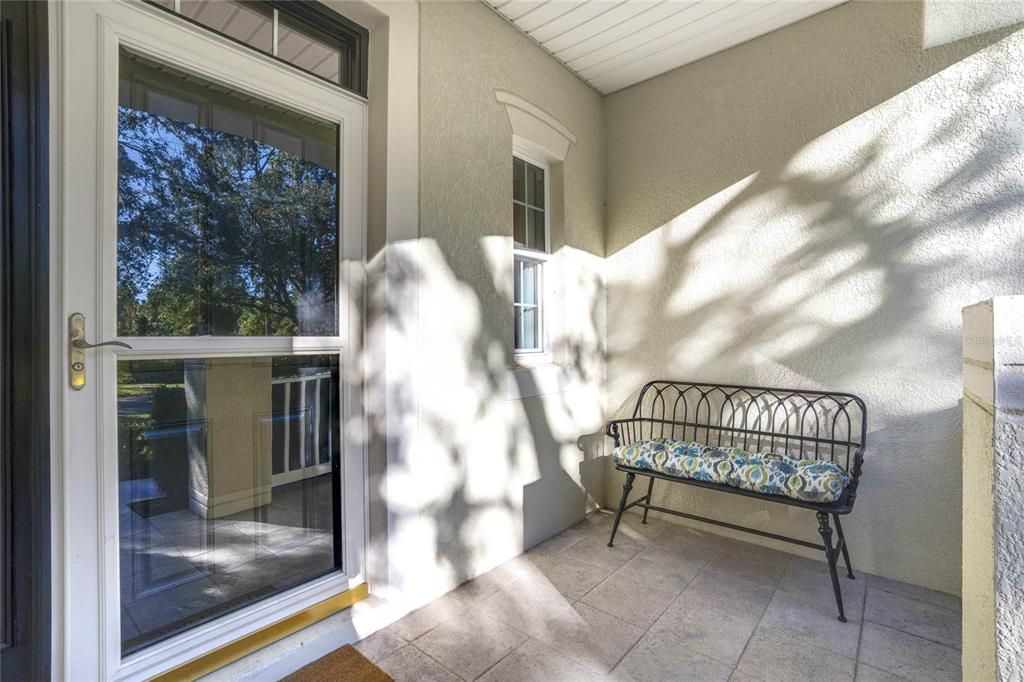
{"x": 491, "y": 474}
{"x": 813, "y": 208}
{"x": 1008, "y": 485}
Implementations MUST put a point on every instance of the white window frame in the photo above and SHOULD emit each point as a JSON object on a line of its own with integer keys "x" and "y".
{"x": 543, "y": 352}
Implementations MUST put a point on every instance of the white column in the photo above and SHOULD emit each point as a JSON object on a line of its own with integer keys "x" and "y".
{"x": 993, "y": 490}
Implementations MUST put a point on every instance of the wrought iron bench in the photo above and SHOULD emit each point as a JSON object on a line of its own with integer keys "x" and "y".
{"x": 702, "y": 434}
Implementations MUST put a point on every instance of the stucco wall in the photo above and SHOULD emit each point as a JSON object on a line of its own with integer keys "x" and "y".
{"x": 813, "y": 208}
{"x": 488, "y": 474}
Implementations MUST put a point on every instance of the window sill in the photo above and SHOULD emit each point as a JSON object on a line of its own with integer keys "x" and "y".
{"x": 534, "y": 376}
{"x": 529, "y": 360}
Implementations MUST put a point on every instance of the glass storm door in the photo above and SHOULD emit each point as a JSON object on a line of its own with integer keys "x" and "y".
{"x": 212, "y": 221}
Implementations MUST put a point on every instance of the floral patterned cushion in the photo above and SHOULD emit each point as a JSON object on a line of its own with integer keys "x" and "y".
{"x": 762, "y": 472}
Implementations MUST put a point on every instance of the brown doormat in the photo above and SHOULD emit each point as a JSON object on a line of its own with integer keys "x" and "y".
{"x": 341, "y": 665}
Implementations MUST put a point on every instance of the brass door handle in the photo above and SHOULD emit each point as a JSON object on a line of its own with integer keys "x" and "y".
{"x": 76, "y": 350}
{"x": 82, "y": 343}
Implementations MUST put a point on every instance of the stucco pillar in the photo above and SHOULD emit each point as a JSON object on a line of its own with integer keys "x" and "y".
{"x": 993, "y": 490}
{"x": 230, "y": 458}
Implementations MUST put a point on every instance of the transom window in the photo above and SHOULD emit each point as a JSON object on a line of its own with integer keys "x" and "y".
{"x": 530, "y": 237}
{"x": 306, "y": 35}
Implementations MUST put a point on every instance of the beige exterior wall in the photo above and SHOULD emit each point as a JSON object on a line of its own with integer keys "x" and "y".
{"x": 814, "y": 208}
{"x": 489, "y": 474}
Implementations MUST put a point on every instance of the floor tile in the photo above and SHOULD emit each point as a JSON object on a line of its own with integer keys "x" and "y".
{"x": 908, "y": 656}
{"x": 653, "y": 566}
{"x": 772, "y": 657}
{"x": 274, "y": 572}
{"x": 537, "y": 662}
{"x": 228, "y": 555}
{"x": 470, "y": 643}
{"x": 666, "y": 656}
{"x": 480, "y": 587}
{"x": 202, "y": 539}
{"x": 811, "y": 581}
{"x": 632, "y": 600}
{"x": 517, "y": 567}
{"x": 915, "y": 617}
{"x": 591, "y": 637}
{"x": 633, "y": 528}
{"x": 141, "y": 536}
{"x": 677, "y": 537}
{"x": 153, "y": 564}
{"x": 380, "y": 644}
{"x": 526, "y": 604}
{"x": 816, "y": 625}
{"x": 710, "y": 592}
{"x": 721, "y": 635}
{"x": 946, "y": 601}
{"x": 753, "y": 565}
{"x": 175, "y": 606}
{"x": 595, "y": 550}
{"x": 180, "y": 521}
{"x": 741, "y": 676}
{"x": 570, "y": 577}
{"x": 409, "y": 664}
{"x": 427, "y": 618}
{"x": 865, "y": 673}
{"x": 560, "y": 542}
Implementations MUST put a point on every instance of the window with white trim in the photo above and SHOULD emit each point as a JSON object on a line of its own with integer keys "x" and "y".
{"x": 530, "y": 239}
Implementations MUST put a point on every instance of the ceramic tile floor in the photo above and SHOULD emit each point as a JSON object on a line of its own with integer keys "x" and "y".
{"x": 670, "y": 603}
{"x": 178, "y": 568}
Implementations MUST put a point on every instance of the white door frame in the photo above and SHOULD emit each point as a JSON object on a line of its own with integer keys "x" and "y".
{"x": 83, "y": 243}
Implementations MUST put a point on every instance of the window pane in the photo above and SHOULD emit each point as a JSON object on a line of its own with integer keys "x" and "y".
{"x": 225, "y": 485}
{"x": 535, "y": 186}
{"x": 240, "y": 21}
{"x": 535, "y": 230}
{"x": 519, "y": 224}
{"x": 526, "y": 279}
{"x": 306, "y": 52}
{"x": 518, "y": 179}
{"x": 227, "y": 211}
{"x": 527, "y": 329}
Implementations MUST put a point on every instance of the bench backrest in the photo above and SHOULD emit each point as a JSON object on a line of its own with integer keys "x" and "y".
{"x": 801, "y": 423}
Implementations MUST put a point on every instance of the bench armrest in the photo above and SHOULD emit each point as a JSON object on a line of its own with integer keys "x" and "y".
{"x": 858, "y": 464}
{"x": 615, "y": 431}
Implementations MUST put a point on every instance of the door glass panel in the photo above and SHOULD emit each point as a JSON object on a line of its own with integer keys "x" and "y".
{"x": 226, "y": 485}
{"x": 227, "y": 211}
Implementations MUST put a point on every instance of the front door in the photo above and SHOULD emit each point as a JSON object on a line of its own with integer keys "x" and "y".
{"x": 211, "y": 228}
{"x": 24, "y": 391}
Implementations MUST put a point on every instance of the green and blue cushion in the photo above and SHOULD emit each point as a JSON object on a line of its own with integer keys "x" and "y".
{"x": 761, "y": 472}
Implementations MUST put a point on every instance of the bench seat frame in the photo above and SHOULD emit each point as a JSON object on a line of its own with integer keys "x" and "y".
{"x": 830, "y": 443}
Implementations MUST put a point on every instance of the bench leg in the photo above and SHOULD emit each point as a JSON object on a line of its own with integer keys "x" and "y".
{"x": 846, "y": 551}
{"x": 626, "y": 487}
{"x": 650, "y": 488}
{"x": 830, "y": 554}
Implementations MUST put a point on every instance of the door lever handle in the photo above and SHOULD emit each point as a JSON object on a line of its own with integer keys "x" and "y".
{"x": 82, "y": 343}
{"x": 77, "y": 345}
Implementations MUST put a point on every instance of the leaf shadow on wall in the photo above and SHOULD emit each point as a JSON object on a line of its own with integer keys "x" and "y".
{"x": 841, "y": 263}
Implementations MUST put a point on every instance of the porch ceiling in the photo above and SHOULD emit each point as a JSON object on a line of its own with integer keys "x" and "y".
{"x": 613, "y": 44}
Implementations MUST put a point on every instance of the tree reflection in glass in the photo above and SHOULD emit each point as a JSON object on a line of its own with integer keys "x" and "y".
{"x": 227, "y": 211}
